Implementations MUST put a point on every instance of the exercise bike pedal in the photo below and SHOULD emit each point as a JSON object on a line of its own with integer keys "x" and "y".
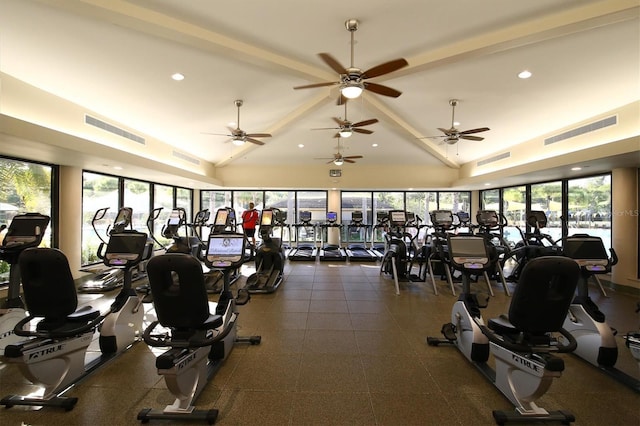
{"x": 243, "y": 297}
{"x": 449, "y": 331}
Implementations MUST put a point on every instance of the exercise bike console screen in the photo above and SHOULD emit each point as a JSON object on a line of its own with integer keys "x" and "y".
{"x": 224, "y": 250}
{"x": 174, "y": 219}
{"x": 589, "y": 252}
{"x": 469, "y": 252}
{"x": 125, "y": 248}
{"x": 26, "y": 229}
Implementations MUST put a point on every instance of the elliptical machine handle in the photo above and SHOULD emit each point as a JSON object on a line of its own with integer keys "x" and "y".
{"x": 614, "y": 257}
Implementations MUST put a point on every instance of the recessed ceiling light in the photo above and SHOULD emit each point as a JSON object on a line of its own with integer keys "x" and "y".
{"x": 177, "y": 76}
{"x": 300, "y": 145}
{"x": 117, "y": 168}
{"x": 487, "y": 184}
{"x": 375, "y": 145}
{"x": 525, "y": 74}
{"x": 575, "y": 169}
{"x": 456, "y": 123}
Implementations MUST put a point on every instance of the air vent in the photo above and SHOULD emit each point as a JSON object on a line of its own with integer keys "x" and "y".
{"x": 494, "y": 158}
{"x": 606, "y": 122}
{"x": 186, "y": 157}
{"x": 95, "y": 122}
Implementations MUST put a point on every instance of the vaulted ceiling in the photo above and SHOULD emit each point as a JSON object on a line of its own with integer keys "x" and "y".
{"x": 116, "y": 58}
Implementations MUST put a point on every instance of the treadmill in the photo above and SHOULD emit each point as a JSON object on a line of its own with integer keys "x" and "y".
{"x": 382, "y": 223}
{"x": 328, "y": 251}
{"x": 358, "y": 251}
{"x": 305, "y": 249}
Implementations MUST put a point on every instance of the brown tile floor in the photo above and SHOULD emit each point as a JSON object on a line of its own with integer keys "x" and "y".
{"x": 339, "y": 347}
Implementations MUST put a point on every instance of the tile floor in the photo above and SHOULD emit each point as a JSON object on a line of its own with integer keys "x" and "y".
{"x": 340, "y": 348}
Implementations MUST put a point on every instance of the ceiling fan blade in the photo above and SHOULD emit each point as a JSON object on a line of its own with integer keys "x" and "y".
{"x": 258, "y": 135}
{"x": 331, "y": 161}
{"x": 385, "y": 68}
{"x": 447, "y": 131}
{"x": 471, "y": 138}
{"x": 339, "y": 121}
{"x": 365, "y": 131}
{"x": 365, "y": 122}
{"x": 478, "y": 130}
{"x": 381, "y": 90}
{"x": 350, "y": 157}
{"x": 333, "y": 63}
{"x": 256, "y": 141}
{"x": 348, "y": 161}
{"x": 309, "y": 86}
{"x": 326, "y": 128}
{"x": 217, "y": 134}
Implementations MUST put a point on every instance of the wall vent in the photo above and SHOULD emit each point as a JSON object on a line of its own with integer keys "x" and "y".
{"x": 95, "y": 122}
{"x": 186, "y": 157}
{"x": 494, "y": 158}
{"x": 596, "y": 125}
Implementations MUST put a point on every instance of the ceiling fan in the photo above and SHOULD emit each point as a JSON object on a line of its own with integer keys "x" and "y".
{"x": 338, "y": 159}
{"x": 353, "y": 80}
{"x": 239, "y": 136}
{"x": 452, "y": 135}
{"x": 346, "y": 128}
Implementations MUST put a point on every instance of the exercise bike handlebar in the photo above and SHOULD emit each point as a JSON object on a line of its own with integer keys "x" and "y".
{"x": 571, "y": 345}
{"x": 155, "y": 341}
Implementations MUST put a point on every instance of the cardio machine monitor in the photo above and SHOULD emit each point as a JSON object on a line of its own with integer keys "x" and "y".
{"x": 305, "y": 216}
{"x": 332, "y": 217}
{"x": 267, "y": 218}
{"x": 469, "y": 251}
{"x": 356, "y": 216}
{"x": 125, "y": 248}
{"x": 27, "y": 228}
{"x": 488, "y": 218}
{"x": 174, "y": 219}
{"x": 398, "y": 217}
{"x": 537, "y": 219}
{"x": 442, "y": 217}
{"x": 588, "y": 251}
{"x": 222, "y": 216}
{"x": 224, "y": 250}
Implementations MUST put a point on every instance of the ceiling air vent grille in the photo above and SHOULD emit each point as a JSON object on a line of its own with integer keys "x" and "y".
{"x": 596, "y": 125}
{"x": 186, "y": 157}
{"x": 494, "y": 158}
{"x": 95, "y": 122}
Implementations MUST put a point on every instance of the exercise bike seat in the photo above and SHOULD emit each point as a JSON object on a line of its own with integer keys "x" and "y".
{"x": 50, "y": 293}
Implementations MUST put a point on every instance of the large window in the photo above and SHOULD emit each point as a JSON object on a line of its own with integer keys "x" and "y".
{"x": 455, "y": 201}
{"x": 286, "y": 202}
{"x": 241, "y": 200}
{"x": 548, "y": 198}
{"x": 25, "y": 187}
{"x": 356, "y": 202}
{"x": 590, "y": 207}
{"x": 112, "y": 192}
{"x": 98, "y": 192}
{"x": 514, "y": 207}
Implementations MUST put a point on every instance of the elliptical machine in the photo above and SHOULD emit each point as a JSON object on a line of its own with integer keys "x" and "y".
{"x": 522, "y": 342}
{"x": 586, "y": 323}
{"x": 53, "y": 354}
{"x": 269, "y": 257}
{"x": 396, "y": 261}
{"x": 199, "y": 341}
{"x": 25, "y": 231}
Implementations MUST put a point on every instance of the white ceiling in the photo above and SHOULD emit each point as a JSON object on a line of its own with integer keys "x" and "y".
{"x": 116, "y": 58}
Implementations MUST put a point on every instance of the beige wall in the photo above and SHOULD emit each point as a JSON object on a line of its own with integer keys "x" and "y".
{"x": 625, "y": 226}
{"x": 70, "y": 216}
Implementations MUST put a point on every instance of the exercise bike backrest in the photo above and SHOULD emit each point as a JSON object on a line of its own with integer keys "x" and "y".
{"x": 590, "y": 253}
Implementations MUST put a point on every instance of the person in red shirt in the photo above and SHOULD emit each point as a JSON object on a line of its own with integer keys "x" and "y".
{"x": 249, "y": 222}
